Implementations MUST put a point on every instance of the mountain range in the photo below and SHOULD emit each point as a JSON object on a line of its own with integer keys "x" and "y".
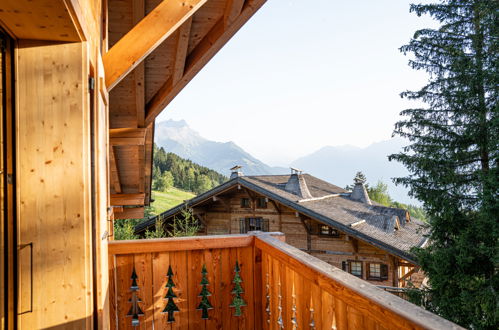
{"x": 335, "y": 164}
{"x": 179, "y": 138}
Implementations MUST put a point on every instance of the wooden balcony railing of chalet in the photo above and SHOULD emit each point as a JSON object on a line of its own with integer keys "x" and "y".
{"x": 253, "y": 281}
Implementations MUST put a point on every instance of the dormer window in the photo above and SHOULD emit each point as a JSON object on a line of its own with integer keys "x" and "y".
{"x": 325, "y": 230}
{"x": 261, "y": 203}
{"x": 245, "y": 203}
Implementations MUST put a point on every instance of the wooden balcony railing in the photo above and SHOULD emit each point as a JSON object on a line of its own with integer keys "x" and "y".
{"x": 253, "y": 281}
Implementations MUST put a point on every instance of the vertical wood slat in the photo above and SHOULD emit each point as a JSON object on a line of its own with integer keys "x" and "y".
{"x": 234, "y": 320}
{"x": 194, "y": 266}
{"x": 143, "y": 268}
{"x": 160, "y": 262}
{"x": 124, "y": 268}
{"x": 247, "y": 263}
{"x": 113, "y": 308}
{"x": 178, "y": 260}
{"x": 258, "y": 284}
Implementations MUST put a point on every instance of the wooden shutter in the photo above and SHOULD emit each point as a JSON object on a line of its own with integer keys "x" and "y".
{"x": 384, "y": 271}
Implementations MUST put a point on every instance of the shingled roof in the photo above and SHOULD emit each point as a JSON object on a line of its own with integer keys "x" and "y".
{"x": 384, "y": 227}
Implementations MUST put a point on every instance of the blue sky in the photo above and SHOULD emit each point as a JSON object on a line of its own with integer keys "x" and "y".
{"x": 301, "y": 75}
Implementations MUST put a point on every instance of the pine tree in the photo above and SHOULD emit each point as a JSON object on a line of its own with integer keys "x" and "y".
{"x": 237, "y": 301}
{"x": 170, "y": 307}
{"x": 359, "y": 178}
{"x": 453, "y": 157}
{"x": 205, "y": 304}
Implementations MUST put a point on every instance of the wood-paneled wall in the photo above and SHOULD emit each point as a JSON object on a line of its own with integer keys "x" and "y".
{"x": 222, "y": 216}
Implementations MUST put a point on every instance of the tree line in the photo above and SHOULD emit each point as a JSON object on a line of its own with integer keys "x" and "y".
{"x": 170, "y": 170}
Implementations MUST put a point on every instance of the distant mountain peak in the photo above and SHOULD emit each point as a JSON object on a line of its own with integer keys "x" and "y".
{"x": 176, "y": 136}
{"x": 173, "y": 123}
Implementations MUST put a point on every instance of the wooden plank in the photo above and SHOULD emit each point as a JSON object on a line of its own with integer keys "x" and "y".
{"x": 53, "y": 180}
{"x": 226, "y": 287}
{"x": 160, "y": 263}
{"x": 143, "y": 268}
{"x": 194, "y": 264}
{"x": 113, "y": 308}
{"x": 212, "y": 262}
{"x": 181, "y": 51}
{"x": 198, "y": 58}
{"x": 340, "y": 314}
{"x": 127, "y": 199}
{"x": 316, "y": 305}
{"x": 127, "y": 136}
{"x": 178, "y": 260}
{"x": 115, "y": 176}
{"x": 355, "y": 319}
{"x": 287, "y": 275}
{"x": 277, "y": 295}
{"x": 235, "y": 322}
{"x": 40, "y": 20}
{"x": 326, "y": 315}
{"x": 130, "y": 213}
{"x": 302, "y": 301}
{"x": 246, "y": 261}
{"x": 146, "y": 36}
{"x": 138, "y": 12}
{"x": 124, "y": 268}
{"x": 180, "y": 244}
{"x": 233, "y": 9}
{"x": 371, "y": 302}
{"x": 258, "y": 287}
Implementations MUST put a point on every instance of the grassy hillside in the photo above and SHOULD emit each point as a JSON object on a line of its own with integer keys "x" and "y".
{"x": 166, "y": 200}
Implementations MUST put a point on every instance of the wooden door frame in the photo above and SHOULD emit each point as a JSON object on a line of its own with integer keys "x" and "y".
{"x": 9, "y": 176}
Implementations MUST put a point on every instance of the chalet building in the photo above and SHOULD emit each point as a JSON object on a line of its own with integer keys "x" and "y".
{"x": 345, "y": 229}
{"x": 81, "y": 84}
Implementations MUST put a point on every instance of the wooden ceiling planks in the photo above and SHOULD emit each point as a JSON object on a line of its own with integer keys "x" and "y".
{"x": 41, "y": 20}
{"x": 150, "y": 80}
{"x": 212, "y": 42}
{"x": 146, "y": 36}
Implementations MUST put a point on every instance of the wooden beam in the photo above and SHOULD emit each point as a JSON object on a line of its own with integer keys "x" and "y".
{"x": 180, "y": 244}
{"x": 232, "y": 11}
{"x": 138, "y": 12}
{"x": 204, "y": 51}
{"x": 115, "y": 176}
{"x": 146, "y": 36}
{"x": 130, "y": 213}
{"x": 181, "y": 51}
{"x": 127, "y": 136}
{"x": 127, "y": 199}
{"x": 409, "y": 273}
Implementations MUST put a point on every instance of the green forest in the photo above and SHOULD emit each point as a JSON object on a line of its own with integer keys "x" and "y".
{"x": 170, "y": 170}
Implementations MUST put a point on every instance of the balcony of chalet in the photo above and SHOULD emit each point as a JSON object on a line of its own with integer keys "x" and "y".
{"x": 252, "y": 281}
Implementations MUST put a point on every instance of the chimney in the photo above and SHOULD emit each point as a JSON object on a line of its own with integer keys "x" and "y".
{"x": 359, "y": 193}
{"x": 297, "y": 185}
{"x": 236, "y": 172}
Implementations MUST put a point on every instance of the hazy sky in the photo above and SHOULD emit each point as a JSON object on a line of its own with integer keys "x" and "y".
{"x": 304, "y": 74}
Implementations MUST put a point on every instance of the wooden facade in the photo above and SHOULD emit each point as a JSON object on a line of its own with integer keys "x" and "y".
{"x": 239, "y": 209}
